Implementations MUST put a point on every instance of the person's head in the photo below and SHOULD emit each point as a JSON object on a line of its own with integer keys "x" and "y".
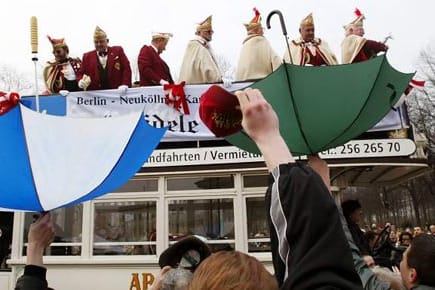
{"x": 306, "y": 28}
{"x": 160, "y": 40}
{"x": 432, "y": 229}
{"x": 227, "y": 270}
{"x": 176, "y": 279}
{"x": 405, "y": 239}
{"x": 101, "y": 41}
{"x": 60, "y": 49}
{"x": 352, "y": 210}
{"x": 417, "y": 231}
{"x": 356, "y": 27}
{"x": 254, "y": 26}
{"x": 355, "y": 30}
{"x": 418, "y": 263}
{"x": 205, "y": 29}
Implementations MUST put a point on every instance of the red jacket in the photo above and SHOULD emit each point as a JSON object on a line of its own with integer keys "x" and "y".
{"x": 152, "y": 68}
{"x": 118, "y": 68}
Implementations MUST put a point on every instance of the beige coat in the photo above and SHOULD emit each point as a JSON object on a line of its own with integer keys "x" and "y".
{"x": 199, "y": 66}
{"x": 350, "y": 47}
{"x": 257, "y": 59}
{"x": 297, "y": 47}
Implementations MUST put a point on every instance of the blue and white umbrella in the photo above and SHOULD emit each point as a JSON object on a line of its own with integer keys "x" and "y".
{"x": 47, "y": 161}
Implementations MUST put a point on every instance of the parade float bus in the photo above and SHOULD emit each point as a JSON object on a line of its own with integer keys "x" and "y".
{"x": 193, "y": 183}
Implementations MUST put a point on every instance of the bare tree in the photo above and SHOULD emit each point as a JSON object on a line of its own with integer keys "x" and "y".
{"x": 225, "y": 66}
{"x": 421, "y": 103}
{"x": 11, "y": 80}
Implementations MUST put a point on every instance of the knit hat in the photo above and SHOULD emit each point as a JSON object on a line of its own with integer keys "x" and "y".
{"x": 255, "y": 22}
{"x": 220, "y": 112}
{"x": 205, "y": 25}
{"x": 164, "y": 35}
{"x": 99, "y": 33}
{"x": 58, "y": 43}
{"x": 188, "y": 253}
{"x": 357, "y": 22}
{"x": 307, "y": 21}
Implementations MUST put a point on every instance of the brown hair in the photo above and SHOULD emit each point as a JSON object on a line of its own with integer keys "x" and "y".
{"x": 228, "y": 270}
{"x": 421, "y": 257}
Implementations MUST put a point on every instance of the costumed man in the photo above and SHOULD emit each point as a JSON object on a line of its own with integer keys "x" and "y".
{"x": 60, "y": 73}
{"x": 257, "y": 58}
{"x": 309, "y": 50}
{"x": 356, "y": 48}
{"x": 153, "y": 70}
{"x": 106, "y": 67}
{"x": 199, "y": 65}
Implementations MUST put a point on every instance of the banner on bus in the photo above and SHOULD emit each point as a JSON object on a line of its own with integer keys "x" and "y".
{"x": 181, "y": 127}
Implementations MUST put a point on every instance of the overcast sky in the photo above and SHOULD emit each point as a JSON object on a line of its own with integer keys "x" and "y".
{"x": 129, "y": 23}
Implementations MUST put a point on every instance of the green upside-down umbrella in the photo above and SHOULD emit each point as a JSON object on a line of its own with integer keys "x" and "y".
{"x": 324, "y": 107}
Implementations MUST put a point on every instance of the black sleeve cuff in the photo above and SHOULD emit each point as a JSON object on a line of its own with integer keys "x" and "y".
{"x": 37, "y": 271}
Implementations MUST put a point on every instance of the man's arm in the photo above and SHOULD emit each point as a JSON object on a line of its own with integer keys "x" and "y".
{"x": 372, "y": 48}
{"x": 305, "y": 229}
{"x": 126, "y": 69}
{"x": 261, "y": 124}
{"x": 41, "y": 234}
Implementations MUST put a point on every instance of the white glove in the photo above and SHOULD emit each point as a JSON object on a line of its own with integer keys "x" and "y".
{"x": 64, "y": 92}
{"x": 122, "y": 89}
{"x": 227, "y": 82}
{"x": 163, "y": 82}
{"x": 84, "y": 82}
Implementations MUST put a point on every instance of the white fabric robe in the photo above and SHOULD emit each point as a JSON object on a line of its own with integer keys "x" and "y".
{"x": 257, "y": 59}
{"x": 199, "y": 66}
{"x": 350, "y": 47}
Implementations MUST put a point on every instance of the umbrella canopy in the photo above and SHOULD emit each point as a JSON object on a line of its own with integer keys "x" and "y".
{"x": 50, "y": 161}
{"x": 324, "y": 107}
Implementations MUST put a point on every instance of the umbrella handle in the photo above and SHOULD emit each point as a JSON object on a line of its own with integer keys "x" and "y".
{"x": 281, "y": 20}
{"x": 283, "y": 28}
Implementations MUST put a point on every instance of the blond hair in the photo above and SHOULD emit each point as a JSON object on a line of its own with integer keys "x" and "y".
{"x": 228, "y": 270}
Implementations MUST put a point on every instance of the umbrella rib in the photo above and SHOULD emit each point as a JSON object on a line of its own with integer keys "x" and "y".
{"x": 359, "y": 113}
{"x": 296, "y": 111}
{"x": 30, "y": 163}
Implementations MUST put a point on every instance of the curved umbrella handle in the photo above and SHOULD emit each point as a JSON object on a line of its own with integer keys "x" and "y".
{"x": 283, "y": 28}
{"x": 281, "y": 20}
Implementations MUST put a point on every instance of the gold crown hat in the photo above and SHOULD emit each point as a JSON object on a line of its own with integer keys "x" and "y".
{"x": 99, "y": 33}
{"x": 164, "y": 35}
{"x": 255, "y": 22}
{"x": 205, "y": 25}
{"x": 57, "y": 42}
{"x": 307, "y": 21}
{"x": 358, "y": 21}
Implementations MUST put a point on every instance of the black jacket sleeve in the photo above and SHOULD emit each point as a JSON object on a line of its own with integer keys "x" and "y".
{"x": 309, "y": 248}
{"x": 32, "y": 279}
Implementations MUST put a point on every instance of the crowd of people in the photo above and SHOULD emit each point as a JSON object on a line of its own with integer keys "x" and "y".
{"x": 379, "y": 245}
{"x": 312, "y": 244}
{"x": 107, "y": 67}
